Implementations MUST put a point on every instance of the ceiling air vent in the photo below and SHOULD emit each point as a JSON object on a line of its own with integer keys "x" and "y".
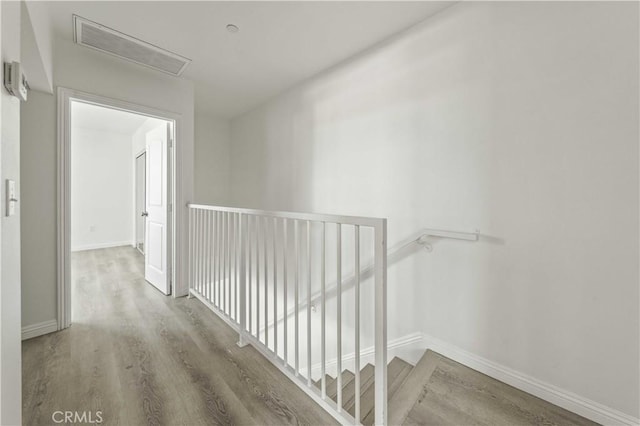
{"x": 104, "y": 39}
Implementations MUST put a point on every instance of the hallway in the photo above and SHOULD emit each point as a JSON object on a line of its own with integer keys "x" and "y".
{"x": 139, "y": 357}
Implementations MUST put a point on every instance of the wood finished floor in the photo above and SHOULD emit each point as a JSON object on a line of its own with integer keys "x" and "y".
{"x": 456, "y": 395}
{"x": 145, "y": 359}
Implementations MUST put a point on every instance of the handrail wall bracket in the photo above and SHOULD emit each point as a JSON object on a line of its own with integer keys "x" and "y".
{"x": 425, "y": 239}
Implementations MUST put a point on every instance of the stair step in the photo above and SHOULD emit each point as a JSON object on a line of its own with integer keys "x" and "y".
{"x": 318, "y": 383}
{"x": 409, "y": 390}
{"x": 331, "y": 382}
{"x": 401, "y": 370}
{"x": 422, "y": 395}
{"x": 332, "y": 389}
{"x": 367, "y": 377}
{"x": 397, "y": 372}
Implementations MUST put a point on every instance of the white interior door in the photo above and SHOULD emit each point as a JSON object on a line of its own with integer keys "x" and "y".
{"x": 141, "y": 199}
{"x": 156, "y": 260}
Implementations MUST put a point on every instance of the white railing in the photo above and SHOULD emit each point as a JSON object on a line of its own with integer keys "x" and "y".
{"x": 252, "y": 267}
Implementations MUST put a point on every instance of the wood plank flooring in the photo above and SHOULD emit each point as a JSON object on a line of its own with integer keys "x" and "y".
{"x": 454, "y": 394}
{"x": 142, "y": 358}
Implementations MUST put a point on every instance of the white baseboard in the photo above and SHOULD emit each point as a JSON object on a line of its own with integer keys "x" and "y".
{"x": 35, "y": 330}
{"x": 102, "y": 245}
{"x": 410, "y": 348}
{"x": 560, "y": 397}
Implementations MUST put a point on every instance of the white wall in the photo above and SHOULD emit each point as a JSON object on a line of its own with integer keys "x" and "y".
{"x": 101, "y": 189}
{"x": 139, "y": 138}
{"x": 38, "y": 200}
{"x": 519, "y": 119}
{"x": 38, "y": 17}
{"x": 211, "y": 172}
{"x": 30, "y": 59}
{"x": 10, "y": 350}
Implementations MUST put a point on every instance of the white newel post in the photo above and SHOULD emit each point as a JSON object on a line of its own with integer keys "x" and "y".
{"x": 380, "y": 253}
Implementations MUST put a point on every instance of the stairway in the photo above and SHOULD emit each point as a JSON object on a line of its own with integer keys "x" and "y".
{"x": 441, "y": 391}
{"x": 397, "y": 372}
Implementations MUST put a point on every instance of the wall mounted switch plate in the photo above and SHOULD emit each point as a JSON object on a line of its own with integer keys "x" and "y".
{"x": 12, "y": 198}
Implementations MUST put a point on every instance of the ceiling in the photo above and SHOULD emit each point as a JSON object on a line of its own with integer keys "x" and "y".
{"x": 279, "y": 44}
{"x": 102, "y": 119}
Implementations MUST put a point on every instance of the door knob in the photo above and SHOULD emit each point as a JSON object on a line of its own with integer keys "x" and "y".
{"x": 145, "y": 214}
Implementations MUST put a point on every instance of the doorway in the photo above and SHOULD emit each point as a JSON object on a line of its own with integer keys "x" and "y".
{"x": 117, "y": 184}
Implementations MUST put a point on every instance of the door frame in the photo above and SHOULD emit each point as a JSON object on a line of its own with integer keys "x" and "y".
{"x": 177, "y": 215}
{"x": 135, "y": 195}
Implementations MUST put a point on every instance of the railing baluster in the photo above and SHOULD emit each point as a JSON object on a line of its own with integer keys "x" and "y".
{"x": 296, "y": 296}
{"x": 250, "y": 281}
{"x": 200, "y": 254}
{"x": 254, "y": 287}
{"x": 203, "y": 254}
{"x": 232, "y": 245}
{"x": 194, "y": 260}
{"x": 285, "y": 257}
{"x": 202, "y": 251}
{"x": 189, "y": 247}
{"x": 210, "y": 255}
{"x": 266, "y": 283}
{"x": 339, "y": 312}
{"x": 235, "y": 269}
{"x": 219, "y": 258}
{"x": 357, "y": 322}
{"x": 223, "y": 257}
{"x": 225, "y": 236}
{"x": 243, "y": 278}
{"x": 228, "y": 281}
{"x": 205, "y": 251}
{"x": 258, "y": 277}
{"x": 275, "y": 286}
{"x": 207, "y": 254}
{"x": 214, "y": 261}
{"x": 308, "y": 303}
{"x": 323, "y": 361}
{"x": 232, "y": 279}
{"x": 197, "y": 252}
{"x": 210, "y": 258}
{"x": 227, "y": 290}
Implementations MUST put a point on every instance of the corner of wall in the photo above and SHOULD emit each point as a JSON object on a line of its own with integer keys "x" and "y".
{"x": 38, "y": 18}
{"x": 10, "y": 307}
{"x": 212, "y": 159}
